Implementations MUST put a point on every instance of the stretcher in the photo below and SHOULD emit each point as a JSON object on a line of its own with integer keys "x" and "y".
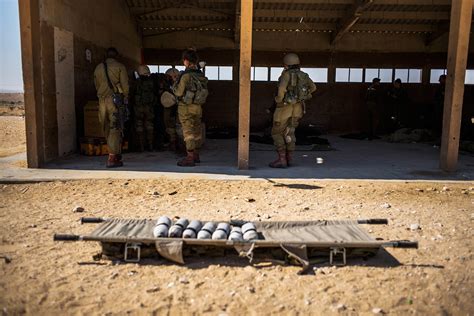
{"x": 299, "y": 242}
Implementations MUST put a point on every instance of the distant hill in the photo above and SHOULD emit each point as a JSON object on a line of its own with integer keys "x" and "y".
{"x": 11, "y": 98}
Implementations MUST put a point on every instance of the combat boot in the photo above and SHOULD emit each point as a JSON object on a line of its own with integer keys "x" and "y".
{"x": 187, "y": 161}
{"x": 114, "y": 161}
{"x": 289, "y": 158}
{"x": 197, "y": 159}
{"x": 281, "y": 160}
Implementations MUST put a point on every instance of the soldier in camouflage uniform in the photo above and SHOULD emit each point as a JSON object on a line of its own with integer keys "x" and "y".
{"x": 191, "y": 92}
{"x": 145, "y": 100}
{"x": 108, "y": 112}
{"x": 294, "y": 87}
{"x": 169, "y": 113}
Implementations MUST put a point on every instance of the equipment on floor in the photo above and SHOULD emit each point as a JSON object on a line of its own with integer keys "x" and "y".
{"x": 298, "y": 242}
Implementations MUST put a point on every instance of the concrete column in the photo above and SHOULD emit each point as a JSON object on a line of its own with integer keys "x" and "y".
{"x": 246, "y": 11}
{"x": 459, "y": 30}
{"x": 32, "y": 80}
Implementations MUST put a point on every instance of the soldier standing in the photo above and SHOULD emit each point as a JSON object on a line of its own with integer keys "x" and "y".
{"x": 439, "y": 105}
{"x": 372, "y": 100}
{"x": 145, "y": 100}
{"x": 191, "y": 92}
{"x": 294, "y": 87}
{"x": 111, "y": 83}
{"x": 397, "y": 106}
{"x": 168, "y": 101}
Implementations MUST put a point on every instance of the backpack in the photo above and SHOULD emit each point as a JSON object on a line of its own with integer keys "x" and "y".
{"x": 298, "y": 87}
{"x": 196, "y": 89}
{"x": 145, "y": 92}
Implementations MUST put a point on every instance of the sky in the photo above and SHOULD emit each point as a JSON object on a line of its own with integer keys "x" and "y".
{"x": 11, "y": 76}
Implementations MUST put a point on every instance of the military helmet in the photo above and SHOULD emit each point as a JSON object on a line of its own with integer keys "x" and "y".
{"x": 291, "y": 59}
{"x": 167, "y": 99}
{"x": 143, "y": 70}
{"x": 172, "y": 72}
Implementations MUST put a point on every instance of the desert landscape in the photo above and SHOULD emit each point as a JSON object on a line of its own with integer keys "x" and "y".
{"x": 43, "y": 277}
{"x": 40, "y": 276}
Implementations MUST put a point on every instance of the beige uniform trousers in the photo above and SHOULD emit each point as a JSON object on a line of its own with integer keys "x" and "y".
{"x": 285, "y": 120}
{"x": 108, "y": 118}
{"x": 190, "y": 118}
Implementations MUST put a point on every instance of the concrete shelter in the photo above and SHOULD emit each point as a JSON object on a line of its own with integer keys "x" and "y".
{"x": 63, "y": 41}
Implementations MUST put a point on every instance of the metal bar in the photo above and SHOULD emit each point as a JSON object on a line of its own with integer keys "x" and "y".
{"x": 92, "y": 220}
{"x": 258, "y": 243}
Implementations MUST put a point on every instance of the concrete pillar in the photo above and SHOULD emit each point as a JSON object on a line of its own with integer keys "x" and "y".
{"x": 32, "y": 80}
{"x": 246, "y": 11}
{"x": 459, "y": 31}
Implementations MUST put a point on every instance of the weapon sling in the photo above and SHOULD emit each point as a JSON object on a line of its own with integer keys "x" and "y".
{"x": 121, "y": 107}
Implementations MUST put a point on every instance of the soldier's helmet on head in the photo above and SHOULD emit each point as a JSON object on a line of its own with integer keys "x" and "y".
{"x": 291, "y": 59}
{"x": 143, "y": 70}
{"x": 173, "y": 73}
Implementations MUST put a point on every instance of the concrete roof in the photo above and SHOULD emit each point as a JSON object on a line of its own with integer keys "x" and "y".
{"x": 379, "y": 16}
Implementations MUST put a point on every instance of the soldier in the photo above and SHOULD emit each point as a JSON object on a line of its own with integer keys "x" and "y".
{"x": 397, "y": 106}
{"x": 294, "y": 87}
{"x": 111, "y": 83}
{"x": 372, "y": 100}
{"x": 168, "y": 101}
{"x": 191, "y": 92}
{"x": 145, "y": 100}
{"x": 439, "y": 106}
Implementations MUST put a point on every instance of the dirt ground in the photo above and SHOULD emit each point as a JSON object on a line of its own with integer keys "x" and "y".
{"x": 12, "y": 135}
{"x": 46, "y": 277}
{"x": 39, "y": 276}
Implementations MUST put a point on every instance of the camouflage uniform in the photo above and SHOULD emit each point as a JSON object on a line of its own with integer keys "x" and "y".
{"x": 373, "y": 102}
{"x": 169, "y": 113}
{"x": 108, "y": 114}
{"x": 286, "y": 117}
{"x": 145, "y": 100}
{"x": 189, "y": 115}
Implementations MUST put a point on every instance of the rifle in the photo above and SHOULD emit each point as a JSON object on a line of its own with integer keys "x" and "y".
{"x": 120, "y": 102}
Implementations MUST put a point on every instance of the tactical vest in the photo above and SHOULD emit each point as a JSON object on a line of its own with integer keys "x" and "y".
{"x": 298, "y": 89}
{"x": 145, "y": 92}
{"x": 196, "y": 88}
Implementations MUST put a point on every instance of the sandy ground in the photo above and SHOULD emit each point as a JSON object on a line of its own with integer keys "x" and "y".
{"x": 46, "y": 277}
{"x": 12, "y": 135}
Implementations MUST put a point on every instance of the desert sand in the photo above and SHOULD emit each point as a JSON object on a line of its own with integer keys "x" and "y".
{"x": 42, "y": 277}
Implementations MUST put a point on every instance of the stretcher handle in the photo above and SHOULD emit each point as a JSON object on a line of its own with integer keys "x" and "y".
{"x": 66, "y": 237}
{"x": 237, "y": 222}
{"x": 405, "y": 244}
{"x": 91, "y": 220}
{"x": 373, "y": 221}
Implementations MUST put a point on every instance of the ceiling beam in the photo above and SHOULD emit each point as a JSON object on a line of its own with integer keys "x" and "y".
{"x": 185, "y": 24}
{"x": 352, "y": 17}
{"x": 237, "y": 24}
{"x": 184, "y": 29}
{"x": 292, "y": 27}
{"x": 338, "y": 14}
{"x": 442, "y": 28}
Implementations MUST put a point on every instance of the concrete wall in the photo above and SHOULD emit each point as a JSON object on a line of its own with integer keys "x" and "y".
{"x": 64, "y": 72}
{"x": 303, "y": 42}
{"x": 103, "y": 22}
{"x": 65, "y": 29}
